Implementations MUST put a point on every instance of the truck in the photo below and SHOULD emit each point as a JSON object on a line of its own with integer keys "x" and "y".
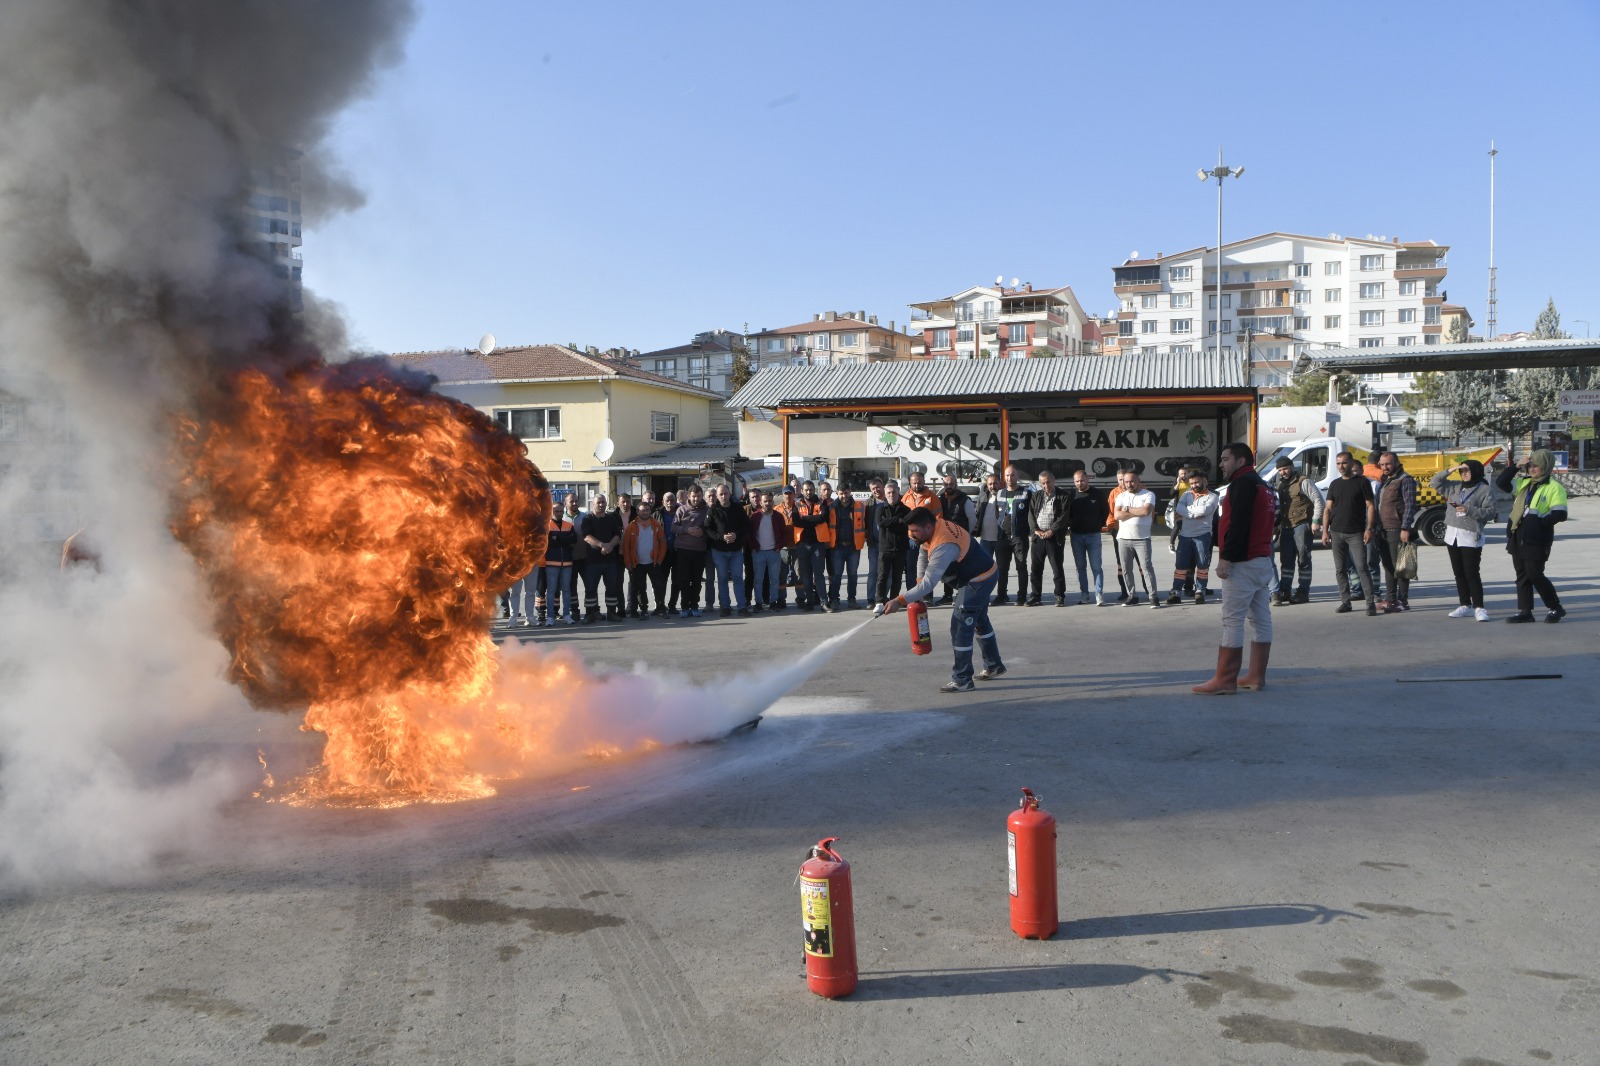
{"x": 1314, "y": 457}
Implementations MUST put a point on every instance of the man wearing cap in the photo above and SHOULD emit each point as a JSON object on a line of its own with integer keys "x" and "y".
{"x": 958, "y": 556}
{"x": 1299, "y": 519}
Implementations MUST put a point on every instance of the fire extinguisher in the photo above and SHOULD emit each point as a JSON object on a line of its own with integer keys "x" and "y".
{"x": 1031, "y": 849}
{"x": 917, "y": 619}
{"x": 828, "y": 918}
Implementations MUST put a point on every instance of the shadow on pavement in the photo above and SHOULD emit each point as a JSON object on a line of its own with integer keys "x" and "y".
{"x": 1250, "y": 916}
{"x": 989, "y": 980}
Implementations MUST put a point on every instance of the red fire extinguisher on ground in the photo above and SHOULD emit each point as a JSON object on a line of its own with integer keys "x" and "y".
{"x": 1031, "y": 849}
{"x": 828, "y": 918}
{"x": 917, "y": 618}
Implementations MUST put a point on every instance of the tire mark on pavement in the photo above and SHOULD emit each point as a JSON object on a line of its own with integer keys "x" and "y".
{"x": 372, "y": 991}
{"x": 658, "y": 1008}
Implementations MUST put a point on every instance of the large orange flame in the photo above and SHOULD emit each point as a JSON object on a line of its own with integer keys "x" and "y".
{"x": 354, "y": 528}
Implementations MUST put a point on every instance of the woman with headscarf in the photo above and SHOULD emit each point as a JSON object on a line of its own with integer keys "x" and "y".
{"x": 1538, "y": 502}
{"x": 1469, "y": 506}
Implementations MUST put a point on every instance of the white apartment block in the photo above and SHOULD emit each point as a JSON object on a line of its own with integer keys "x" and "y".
{"x": 995, "y": 322}
{"x": 273, "y": 214}
{"x": 1283, "y": 293}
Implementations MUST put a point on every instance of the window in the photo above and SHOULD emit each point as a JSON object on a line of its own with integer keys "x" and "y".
{"x": 1182, "y": 299}
{"x": 1372, "y": 318}
{"x": 1372, "y": 290}
{"x": 1272, "y": 325}
{"x": 1227, "y": 325}
{"x": 1314, "y": 463}
{"x": 1372, "y": 262}
{"x": 1432, "y": 338}
{"x": 1180, "y": 273}
{"x": 1125, "y": 328}
{"x": 663, "y": 427}
{"x": 1372, "y": 342}
{"x": 1148, "y": 301}
{"x": 1407, "y": 342}
{"x": 1181, "y": 349}
{"x": 560, "y": 490}
{"x": 847, "y": 340}
{"x": 1332, "y": 296}
{"x": 1332, "y": 268}
{"x": 1408, "y": 314}
{"x": 1302, "y": 296}
{"x": 1431, "y": 316}
{"x": 1148, "y": 349}
{"x": 941, "y": 338}
{"x": 820, "y": 342}
{"x": 964, "y": 334}
{"x": 1408, "y": 288}
{"x": 531, "y": 423}
{"x": 774, "y": 344}
{"x": 1331, "y": 321}
{"x": 1149, "y": 325}
{"x": 1182, "y": 325}
{"x": 1302, "y": 270}
{"x": 1017, "y": 333}
{"x": 666, "y": 366}
{"x": 1227, "y": 301}
{"x": 1302, "y": 323}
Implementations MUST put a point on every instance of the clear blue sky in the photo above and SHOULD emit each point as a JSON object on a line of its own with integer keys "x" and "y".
{"x": 629, "y": 174}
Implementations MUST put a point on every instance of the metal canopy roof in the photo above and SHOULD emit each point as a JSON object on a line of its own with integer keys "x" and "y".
{"x": 686, "y": 456}
{"x": 969, "y": 380}
{"x": 1497, "y": 355}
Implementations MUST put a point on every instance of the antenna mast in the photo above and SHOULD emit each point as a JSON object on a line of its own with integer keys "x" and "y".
{"x": 1492, "y": 331}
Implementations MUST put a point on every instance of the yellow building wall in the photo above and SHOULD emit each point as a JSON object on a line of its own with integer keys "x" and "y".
{"x": 590, "y": 412}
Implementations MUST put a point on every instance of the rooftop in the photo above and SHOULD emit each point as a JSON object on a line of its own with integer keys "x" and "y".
{"x": 531, "y": 363}
{"x": 987, "y": 379}
{"x": 1472, "y": 355}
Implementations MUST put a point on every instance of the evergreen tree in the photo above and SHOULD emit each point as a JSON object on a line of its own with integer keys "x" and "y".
{"x": 1311, "y": 390}
{"x": 1458, "y": 330}
{"x": 1548, "y": 327}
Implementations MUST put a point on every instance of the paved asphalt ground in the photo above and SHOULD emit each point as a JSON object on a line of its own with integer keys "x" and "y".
{"x": 1343, "y": 869}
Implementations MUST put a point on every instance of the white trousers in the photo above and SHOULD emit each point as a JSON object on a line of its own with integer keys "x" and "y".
{"x": 1247, "y": 591}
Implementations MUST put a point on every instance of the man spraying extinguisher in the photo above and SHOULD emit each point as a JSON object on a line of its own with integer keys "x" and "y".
{"x": 956, "y": 556}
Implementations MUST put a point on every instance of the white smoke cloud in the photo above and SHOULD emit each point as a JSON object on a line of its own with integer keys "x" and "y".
{"x": 126, "y": 138}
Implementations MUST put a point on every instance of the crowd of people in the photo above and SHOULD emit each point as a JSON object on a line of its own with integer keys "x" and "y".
{"x": 829, "y": 551}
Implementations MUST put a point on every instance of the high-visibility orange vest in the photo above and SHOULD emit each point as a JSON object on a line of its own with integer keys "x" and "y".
{"x": 859, "y": 512}
{"x": 913, "y": 500}
{"x": 825, "y": 530}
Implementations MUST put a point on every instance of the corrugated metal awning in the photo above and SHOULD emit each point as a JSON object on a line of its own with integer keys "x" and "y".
{"x": 989, "y": 380}
{"x": 1481, "y": 355}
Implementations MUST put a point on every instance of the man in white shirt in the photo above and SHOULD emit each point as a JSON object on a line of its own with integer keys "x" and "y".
{"x": 1196, "y": 511}
{"x": 1135, "y": 514}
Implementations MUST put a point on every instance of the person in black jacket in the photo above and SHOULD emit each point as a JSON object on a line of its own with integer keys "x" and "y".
{"x": 727, "y": 526}
{"x": 870, "y": 521}
{"x": 1049, "y": 520}
{"x": 892, "y": 535}
{"x": 1006, "y": 508}
{"x": 1089, "y": 515}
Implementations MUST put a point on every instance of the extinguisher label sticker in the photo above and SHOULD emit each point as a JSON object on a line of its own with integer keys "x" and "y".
{"x": 1011, "y": 857}
{"x": 814, "y": 916}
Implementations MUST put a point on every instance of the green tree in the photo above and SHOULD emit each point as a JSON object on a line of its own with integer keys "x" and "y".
{"x": 1039, "y": 351}
{"x": 1311, "y": 390}
{"x": 1548, "y": 326}
{"x": 742, "y": 370}
{"x": 1458, "y": 331}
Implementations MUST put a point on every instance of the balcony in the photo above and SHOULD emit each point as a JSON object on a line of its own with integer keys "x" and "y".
{"x": 1429, "y": 269}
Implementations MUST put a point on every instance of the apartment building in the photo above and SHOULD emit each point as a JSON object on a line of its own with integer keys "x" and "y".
{"x": 706, "y": 362}
{"x": 1283, "y": 293}
{"x": 830, "y": 338}
{"x": 995, "y": 322}
{"x": 273, "y": 213}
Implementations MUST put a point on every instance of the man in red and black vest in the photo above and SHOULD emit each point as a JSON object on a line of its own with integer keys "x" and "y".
{"x": 1249, "y": 518}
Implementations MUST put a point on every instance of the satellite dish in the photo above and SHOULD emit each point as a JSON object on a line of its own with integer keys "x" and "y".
{"x": 605, "y": 449}
{"x": 486, "y": 344}
{"x": 1015, "y": 282}
{"x": 1000, "y": 279}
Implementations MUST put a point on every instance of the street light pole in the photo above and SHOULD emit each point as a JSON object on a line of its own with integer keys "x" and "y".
{"x": 1585, "y": 322}
{"x": 1219, "y": 172}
